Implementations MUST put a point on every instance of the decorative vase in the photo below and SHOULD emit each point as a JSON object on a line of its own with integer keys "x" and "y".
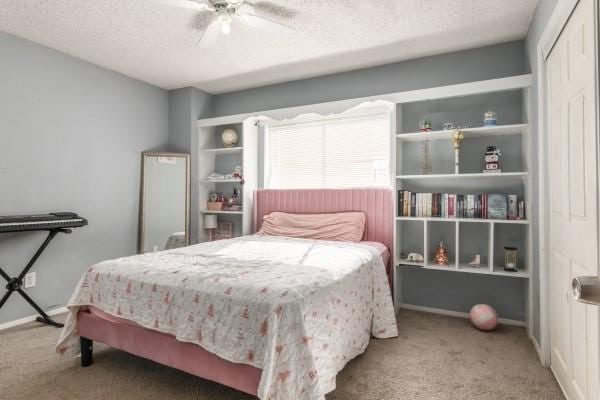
{"x": 425, "y": 158}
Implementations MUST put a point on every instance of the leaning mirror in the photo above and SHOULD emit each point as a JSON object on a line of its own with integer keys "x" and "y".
{"x": 164, "y": 202}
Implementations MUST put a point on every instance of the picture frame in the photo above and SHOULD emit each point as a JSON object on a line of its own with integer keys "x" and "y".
{"x": 224, "y": 230}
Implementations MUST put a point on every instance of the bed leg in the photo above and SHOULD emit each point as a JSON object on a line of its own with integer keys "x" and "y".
{"x": 86, "y": 351}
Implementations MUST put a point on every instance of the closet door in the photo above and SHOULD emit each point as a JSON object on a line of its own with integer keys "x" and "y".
{"x": 573, "y": 189}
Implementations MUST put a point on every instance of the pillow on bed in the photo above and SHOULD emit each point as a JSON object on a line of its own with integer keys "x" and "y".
{"x": 342, "y": 227}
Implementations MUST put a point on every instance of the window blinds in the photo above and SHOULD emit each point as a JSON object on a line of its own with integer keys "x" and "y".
{"x": 351, "y": 151}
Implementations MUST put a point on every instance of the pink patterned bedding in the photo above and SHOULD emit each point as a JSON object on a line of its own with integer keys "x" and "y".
{"x": 297, "y": 309}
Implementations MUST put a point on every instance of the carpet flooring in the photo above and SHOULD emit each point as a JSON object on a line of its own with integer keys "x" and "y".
{"x": 434, "y": 357}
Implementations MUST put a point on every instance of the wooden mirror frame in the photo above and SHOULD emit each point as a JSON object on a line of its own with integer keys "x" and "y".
{"x": 141, "y": 224}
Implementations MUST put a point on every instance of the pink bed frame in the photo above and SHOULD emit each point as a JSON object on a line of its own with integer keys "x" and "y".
{"x": 376, "y": 203}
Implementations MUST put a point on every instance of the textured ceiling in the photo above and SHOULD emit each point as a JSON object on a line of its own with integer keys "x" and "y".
{"x": 156, "y": 40}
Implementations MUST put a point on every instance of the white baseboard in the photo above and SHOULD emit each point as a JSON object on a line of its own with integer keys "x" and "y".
{"x": 25, "y": 320}
{"x": 456, "y": 314}
{"x": 538, "y": 349}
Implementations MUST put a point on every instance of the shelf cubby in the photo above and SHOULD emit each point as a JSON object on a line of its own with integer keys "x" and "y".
{"x": 412, "y": 233}
{"x": 473, "y": 239}
{"x": 437, "y": 232}
{"x": 512, "y": 236}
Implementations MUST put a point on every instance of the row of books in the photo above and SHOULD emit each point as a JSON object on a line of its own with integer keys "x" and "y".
{"x": 448, "y": 205}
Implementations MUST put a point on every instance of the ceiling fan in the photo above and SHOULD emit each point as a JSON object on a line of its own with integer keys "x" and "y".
{"x": 220, "y": 15}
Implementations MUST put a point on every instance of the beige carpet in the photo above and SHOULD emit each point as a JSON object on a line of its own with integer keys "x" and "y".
{"x": 435, "y": 357}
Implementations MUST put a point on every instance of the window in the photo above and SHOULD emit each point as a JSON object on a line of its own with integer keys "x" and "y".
{"x": 331, "y": 152}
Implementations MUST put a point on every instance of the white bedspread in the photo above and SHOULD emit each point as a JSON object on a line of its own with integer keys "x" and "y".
{"x": 297, "y": 309}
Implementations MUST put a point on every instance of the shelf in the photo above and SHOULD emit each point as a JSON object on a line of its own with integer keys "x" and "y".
{"x": 475, "y": 220}
{"x": 410, "y": 263}
{"x": 478, "y": 175}
{"x": 224, "y": 150}
{"x": 221, "y": 180}
{"x": 220, "y": 212}
{"x": 483, "y": 270}
{"x": 499, "y": 130}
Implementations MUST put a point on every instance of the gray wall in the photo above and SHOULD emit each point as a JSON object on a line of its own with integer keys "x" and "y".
{"x": 426, "y": 288}
{"x": 186, "y": 106}
{"x": 540, "y": 19}
{"x": 71, "y": 135}
{"x": 464, "y": 66}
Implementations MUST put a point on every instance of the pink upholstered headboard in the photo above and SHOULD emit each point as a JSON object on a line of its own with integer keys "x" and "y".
{"x": 376, "y": 203}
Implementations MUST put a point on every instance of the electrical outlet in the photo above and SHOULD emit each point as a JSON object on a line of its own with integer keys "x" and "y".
{"x": 29, "y": 280}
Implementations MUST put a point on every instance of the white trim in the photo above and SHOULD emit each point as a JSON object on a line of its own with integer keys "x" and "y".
{"x": 558, "y": 20}
{"x": 536, "y": 346}
{"x": 21, "y": 321}
{"x": 334, "y": 107}
{"x": 555, "y": 25}
{"x": 458, "y": 314}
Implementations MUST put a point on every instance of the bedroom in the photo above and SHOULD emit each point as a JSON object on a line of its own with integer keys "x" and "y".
{"x": 299, "y": 199}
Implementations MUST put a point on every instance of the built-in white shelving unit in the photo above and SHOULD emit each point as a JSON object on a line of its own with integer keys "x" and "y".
{"x": 463, "y": 237}
{"x": 214, "y": 157}
{"x": 224, "y": 150}
{"x": 514, "y": 129}
{"x": 502, "y": 175}
{"x": 221, "y": 180}
{"x": 225, "y": 212}
{"x": 466, "y": 220}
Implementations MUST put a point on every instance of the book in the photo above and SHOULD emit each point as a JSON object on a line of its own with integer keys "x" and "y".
{"x": 400, "y": 203}
{"x": 429, "y": 203}
{"x": 449, "y": 205}
{"x": 497, "y": 206}
{"x": 521, "y": 211}
{"x": 513, "y": 212}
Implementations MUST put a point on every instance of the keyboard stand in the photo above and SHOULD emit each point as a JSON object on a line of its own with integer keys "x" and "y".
{"x": 15, "y": 284}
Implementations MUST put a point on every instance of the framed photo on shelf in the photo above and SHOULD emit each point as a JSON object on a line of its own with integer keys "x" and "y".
{"x": 224, "y": 230}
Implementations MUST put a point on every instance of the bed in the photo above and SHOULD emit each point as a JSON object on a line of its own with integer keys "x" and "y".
{"x": 274, "y": 317}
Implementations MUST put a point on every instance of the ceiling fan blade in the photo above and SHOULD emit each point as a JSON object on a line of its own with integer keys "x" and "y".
{"x": 200, "y": 21}
{"x": 198, "y": 5}
{"x": 264, "y": 23}
{"x": 270, "y": 8}
{"x": 210, "y": 35}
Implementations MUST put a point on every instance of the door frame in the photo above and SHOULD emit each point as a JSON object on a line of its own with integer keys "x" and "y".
{"x": 551, "y": 33}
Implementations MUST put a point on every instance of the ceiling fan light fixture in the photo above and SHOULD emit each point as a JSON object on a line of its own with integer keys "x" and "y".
{"x": 225, "y": 21}
{"x": 226, "y": 28}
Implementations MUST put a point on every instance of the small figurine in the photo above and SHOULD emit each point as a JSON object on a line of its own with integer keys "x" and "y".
{"x": 521, "y": 210}
{"x": 457, "y": 137}
{"x": 489, "y": 118}
{"x": 476, "y": 261}
{"x": 414, "y": 257}
{"x": 448, "y": 126}
{"x": 492, "y": 160}
{"x": 237, "y": 172}
{"x": 441, "y": 255}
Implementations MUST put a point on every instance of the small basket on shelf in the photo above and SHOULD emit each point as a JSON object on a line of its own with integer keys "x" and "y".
{"x": 214, "y": 205}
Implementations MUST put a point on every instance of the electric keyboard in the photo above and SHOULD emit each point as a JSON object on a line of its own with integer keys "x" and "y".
{"x": 54, "y": 223}
{"x": 35, "y": 222}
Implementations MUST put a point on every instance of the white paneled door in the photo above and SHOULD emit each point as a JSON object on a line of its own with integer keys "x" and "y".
{"x": 573, "y": 189}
